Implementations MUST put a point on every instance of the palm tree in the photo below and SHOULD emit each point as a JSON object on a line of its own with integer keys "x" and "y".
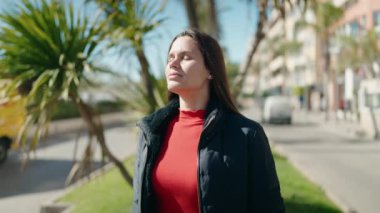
{"x": 214, "y": 25}
{"x": 133, "y": 95}
{"x": 190, "y": 6}
{"x": 203, "y": 15}
{"x": 48, "y": 51}
{"x": 326, "y": 15}
{"x": 359, "y": 53}
{"x": 131, "y": 21}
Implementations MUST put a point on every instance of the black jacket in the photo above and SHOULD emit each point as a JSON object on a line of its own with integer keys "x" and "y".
{"x": 236, "y": 171}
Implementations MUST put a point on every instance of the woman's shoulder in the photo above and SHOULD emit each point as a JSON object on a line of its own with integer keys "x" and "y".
{"x": 241, "y": 121}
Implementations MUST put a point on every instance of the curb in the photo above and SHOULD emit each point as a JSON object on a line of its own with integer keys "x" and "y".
{"x": 53, "y": 206}
{"x": 76, "y": 125}
{"x": 57, "y": 208}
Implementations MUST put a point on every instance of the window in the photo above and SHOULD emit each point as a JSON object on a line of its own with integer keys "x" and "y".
{"x": 354, "y": 29}
{"x": 376, "y": 22}
{"x": 362, "y": 22}
{"x": 372, "y": 100}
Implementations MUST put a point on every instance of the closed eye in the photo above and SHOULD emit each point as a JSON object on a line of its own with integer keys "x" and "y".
{"x": 170, "y": 58}
{"x": 181, "y": 55}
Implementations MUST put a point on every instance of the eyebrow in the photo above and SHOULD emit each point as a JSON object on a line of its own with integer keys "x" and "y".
{"x": 180, "y": 52}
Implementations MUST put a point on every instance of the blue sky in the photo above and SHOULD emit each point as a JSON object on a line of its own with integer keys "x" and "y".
{"x": 237, "y": 20}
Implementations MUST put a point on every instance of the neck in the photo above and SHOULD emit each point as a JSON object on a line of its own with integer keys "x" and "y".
{"x": 194, "y": 102}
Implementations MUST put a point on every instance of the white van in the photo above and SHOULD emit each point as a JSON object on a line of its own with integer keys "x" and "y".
{"x": 277, "y": 109}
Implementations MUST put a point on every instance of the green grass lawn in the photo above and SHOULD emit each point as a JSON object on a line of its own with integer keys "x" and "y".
{"x": 106, "y": 193}
{"x": 110, "y": 193}
{"x": 301, "y": 195}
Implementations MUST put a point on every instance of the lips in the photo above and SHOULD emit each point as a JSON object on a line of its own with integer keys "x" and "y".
{"x": 174, "y": 74}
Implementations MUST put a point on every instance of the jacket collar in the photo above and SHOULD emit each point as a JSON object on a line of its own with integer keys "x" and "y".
{"x": 155, "y": 122}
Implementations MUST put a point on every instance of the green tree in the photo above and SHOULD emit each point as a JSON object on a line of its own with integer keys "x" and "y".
{"x": 131, "y": 22}
{"x": 359, "y": 53}
{"x": 47, "y": 50}
{"x": 326, "y": 14}
{"x": 362, "y": 53}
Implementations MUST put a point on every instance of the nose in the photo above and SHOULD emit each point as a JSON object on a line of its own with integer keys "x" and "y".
{"x": 174, "y": 62}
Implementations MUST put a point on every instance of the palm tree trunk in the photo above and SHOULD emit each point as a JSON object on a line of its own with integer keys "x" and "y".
{"x": 214, "y": 24}
{"x": 326, "y": 74}
{"x": 369, "y": 73}
{"x": 146, "y": 78}
{"x": 285, "y": 68}
{"x": 95, "y": 127}
{"x": 191, "y": 13}
{"x": 334, "y": 91}
{"x": 255, "y": 42}
{"x": 331, "y": 83}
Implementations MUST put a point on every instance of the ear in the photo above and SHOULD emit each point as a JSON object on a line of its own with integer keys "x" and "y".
{"x": 209, "y": 77}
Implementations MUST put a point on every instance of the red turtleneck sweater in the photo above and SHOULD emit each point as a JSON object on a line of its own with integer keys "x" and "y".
{"x": 175, "y": 173}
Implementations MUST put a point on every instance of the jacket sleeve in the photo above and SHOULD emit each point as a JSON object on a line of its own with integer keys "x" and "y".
{"x": 264, "y": 187}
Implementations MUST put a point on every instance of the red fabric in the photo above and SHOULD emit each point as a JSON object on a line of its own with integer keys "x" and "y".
{"x": 175, "y": 173}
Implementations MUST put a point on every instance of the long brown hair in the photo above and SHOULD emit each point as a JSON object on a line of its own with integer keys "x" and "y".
{"x": 214, "y": 61}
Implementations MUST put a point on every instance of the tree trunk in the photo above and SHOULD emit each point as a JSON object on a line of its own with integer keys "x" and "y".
{"x": 95, "y": 128}
{"x": 326, "y": 75}
{"x": 191, "y": 13}
{"x": 285, "y": 69}
{"x": 146, "y": 78}
{"x": 214, "y": 24}
{"x": 334, "y": 91}
{"x": 369, "y": 73}
{"x": 255, "y": 42}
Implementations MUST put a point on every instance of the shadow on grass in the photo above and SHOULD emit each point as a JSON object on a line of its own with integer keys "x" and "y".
{"x": 293, "y": 206}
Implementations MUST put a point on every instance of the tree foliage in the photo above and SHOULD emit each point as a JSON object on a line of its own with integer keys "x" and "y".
{"x": 130, "y": 23}
{"x": 47, "y": 53}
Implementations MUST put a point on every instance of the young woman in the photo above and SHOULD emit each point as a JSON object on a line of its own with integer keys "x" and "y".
{"x": 199, "y": 154}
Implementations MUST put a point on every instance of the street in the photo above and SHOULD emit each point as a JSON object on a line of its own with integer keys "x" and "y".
{"x": 346, "y": 167}
{"x": 46, "y": 171}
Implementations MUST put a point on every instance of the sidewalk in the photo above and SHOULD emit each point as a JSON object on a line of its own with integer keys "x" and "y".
{"x": 64, "y": 126}
{"x": 343, "y": 128}
{"x": 336, "y": 156}
{"x": 44, "y": 178}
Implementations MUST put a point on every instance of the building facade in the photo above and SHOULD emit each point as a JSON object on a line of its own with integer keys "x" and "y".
{"x": 288, "y": 58}
{"x": 357, "y": 86}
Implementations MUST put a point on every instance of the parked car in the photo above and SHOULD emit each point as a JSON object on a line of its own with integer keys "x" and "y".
{"x": 277, "y": 109}
{"x": 12, "y": 115}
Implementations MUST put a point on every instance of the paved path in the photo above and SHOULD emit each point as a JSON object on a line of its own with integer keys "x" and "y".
{"x": 330, "y": 154}
{"x": 46, "y": 171}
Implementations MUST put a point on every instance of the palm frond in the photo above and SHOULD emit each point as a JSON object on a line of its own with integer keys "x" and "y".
{"x": 47, "y": 44}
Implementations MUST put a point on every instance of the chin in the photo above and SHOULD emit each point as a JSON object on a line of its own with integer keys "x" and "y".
{"x": 174, "y": 87}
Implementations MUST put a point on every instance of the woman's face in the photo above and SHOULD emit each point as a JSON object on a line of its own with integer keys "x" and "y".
{"x": 185, "y": 70}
